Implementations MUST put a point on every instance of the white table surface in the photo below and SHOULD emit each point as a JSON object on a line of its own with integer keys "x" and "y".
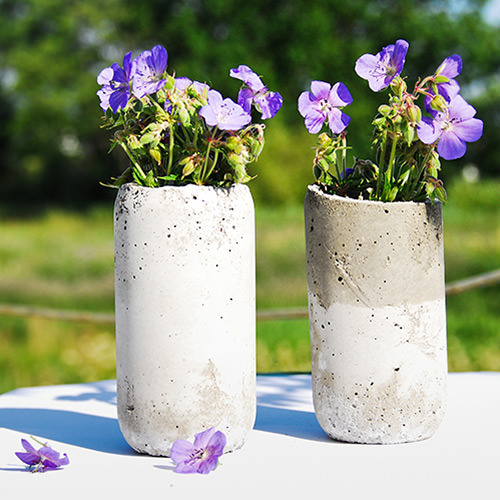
{"x": 287, "y": 455}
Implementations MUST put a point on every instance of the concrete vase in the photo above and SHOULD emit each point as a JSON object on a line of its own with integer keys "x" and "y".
{"x": 377, "y": 317}
{"x": 185, "y": 314}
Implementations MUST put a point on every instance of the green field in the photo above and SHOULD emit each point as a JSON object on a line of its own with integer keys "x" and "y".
{"x": 64, "y": 260}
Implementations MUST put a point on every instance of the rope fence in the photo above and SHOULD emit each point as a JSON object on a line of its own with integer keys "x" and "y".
{"x": 453, "y": 288}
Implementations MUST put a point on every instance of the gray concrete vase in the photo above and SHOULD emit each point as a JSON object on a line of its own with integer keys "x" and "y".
{"x": 377, "y": 317}
{"x": 185, "y": 314}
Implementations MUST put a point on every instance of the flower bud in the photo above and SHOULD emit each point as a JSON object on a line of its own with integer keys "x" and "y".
{"x": 438, "y": 103}
{"x": 413, "y": 113}
{"x": 398, "y": 86}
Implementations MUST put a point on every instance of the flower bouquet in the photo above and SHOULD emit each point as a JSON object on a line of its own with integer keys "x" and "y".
{"x": 408, "y": 139}
{"x": 177, "y": 131}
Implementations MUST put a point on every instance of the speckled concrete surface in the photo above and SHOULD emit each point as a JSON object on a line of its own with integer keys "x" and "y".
{"x": 185, "y": 314}
{"x": 377, "y": 317}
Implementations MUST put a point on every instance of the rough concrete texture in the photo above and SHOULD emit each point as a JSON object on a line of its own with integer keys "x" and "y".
{"x": 185, "y": 314}
{"x": 377, "y": 317}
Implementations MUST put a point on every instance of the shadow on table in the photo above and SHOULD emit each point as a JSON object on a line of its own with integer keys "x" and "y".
{"x": 289, "y": 422}
{"x": 104, "y": 392}
{"x": 79, "y": 429}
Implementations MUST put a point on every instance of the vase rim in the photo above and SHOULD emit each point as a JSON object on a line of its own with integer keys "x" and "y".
{"x": 185, "y": 187}
{"x": 316, "y": 189}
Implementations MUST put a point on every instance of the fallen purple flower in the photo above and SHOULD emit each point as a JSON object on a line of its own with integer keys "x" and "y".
{"x": 322, "y": 103}
{"x": 267, "y": 102}
{"x": 382, "y": 68}
{"x": 453, "y": 128}
{"x": 41, "y": 460}
{"x": 224, "y": 113}
{"x": 200, "y": 457}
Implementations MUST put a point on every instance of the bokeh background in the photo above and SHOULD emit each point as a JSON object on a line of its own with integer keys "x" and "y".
{"x": 56, "y": 241}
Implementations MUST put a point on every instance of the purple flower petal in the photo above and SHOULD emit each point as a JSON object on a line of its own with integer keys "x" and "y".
{"x": 180, "y": 450}
{"x": 338, "y": 121}
{"x": 159, "y": 59}
{"x": 427, "y": 132}
{"x": 182, "y": 83}
{"x": 314, "y": 122}
{"x": 225, "y": 114}
{"x": 245, "y": 99}
{"x": 320, "y": 90}
{"x": 208, "y": 465}
{"x": 269, "y": 104}
{"x": 450, "y": 146}
{"x": 450, "y": 67}
{"x": 202, "y": 439}
{"x": 460, "y": 109}
{"x": 249, "y": 77}
{"x": 28, "y": 458}
{"x": 217, "y": 443}
{"x": 339, "y": 95}
{"x": 28, "y": 446}
{"x": 306, "y": 103}
{"x": 448, "y": 90}
{"x": 399, "y": 55}
{"x": 469, "y": 130}
{"x": 105, "y": 76}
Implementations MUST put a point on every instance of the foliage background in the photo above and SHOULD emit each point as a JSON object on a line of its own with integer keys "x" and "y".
{"x": 55, "y": 227}
{"x": 51, "y": 51}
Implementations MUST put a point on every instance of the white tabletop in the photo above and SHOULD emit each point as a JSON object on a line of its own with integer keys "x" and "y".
{"x": 287, "y": 455}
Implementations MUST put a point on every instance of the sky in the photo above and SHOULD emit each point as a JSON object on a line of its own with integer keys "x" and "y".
{"x": 492, "y": 12}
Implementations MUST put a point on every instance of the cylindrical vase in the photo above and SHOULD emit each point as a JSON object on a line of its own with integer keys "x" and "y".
{"x": 377, "y": 317}
{"x": 185, "y": 314}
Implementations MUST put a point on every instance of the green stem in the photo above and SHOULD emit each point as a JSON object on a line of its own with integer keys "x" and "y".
{"x": 170, "y": 149}
{"x": 132, "y": 159}
{"x": 390, "y": 167}
{"x": 416, "y": 182}
{"x": 214, "y": 163}
{"x": 204, "y": 175}
{"x": 381, "y": 166}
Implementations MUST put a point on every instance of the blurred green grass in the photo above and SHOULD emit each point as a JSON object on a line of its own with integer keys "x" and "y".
{"x": 64, "y": 260}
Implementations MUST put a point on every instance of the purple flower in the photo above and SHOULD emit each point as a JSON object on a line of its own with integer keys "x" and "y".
{"x": 449, "y": 68}
{"x": 382, "y": 68}
{"x": 346, "y": 173}
{"x": 322, "y": 103}
{"x": 182, "y": 83}
{"x": 44, "y": 459}
{"x": 148, "y": 72}
{"x": 202, "y": 456}
{"x": 268, "y": 103}
{"x": 453, "y": 127}
{"x": 115, "y": 81}
{"x": 224, "y": 114}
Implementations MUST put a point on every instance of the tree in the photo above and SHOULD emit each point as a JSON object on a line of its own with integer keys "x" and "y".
{"x": 51, "y": 52}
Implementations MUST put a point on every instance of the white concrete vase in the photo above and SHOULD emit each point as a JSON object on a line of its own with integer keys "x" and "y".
{"x": 185, "y": 314}
{"x": 377, "y": 317}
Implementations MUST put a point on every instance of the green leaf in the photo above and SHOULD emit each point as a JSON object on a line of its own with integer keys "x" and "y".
{"x": 147, "y": 138}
